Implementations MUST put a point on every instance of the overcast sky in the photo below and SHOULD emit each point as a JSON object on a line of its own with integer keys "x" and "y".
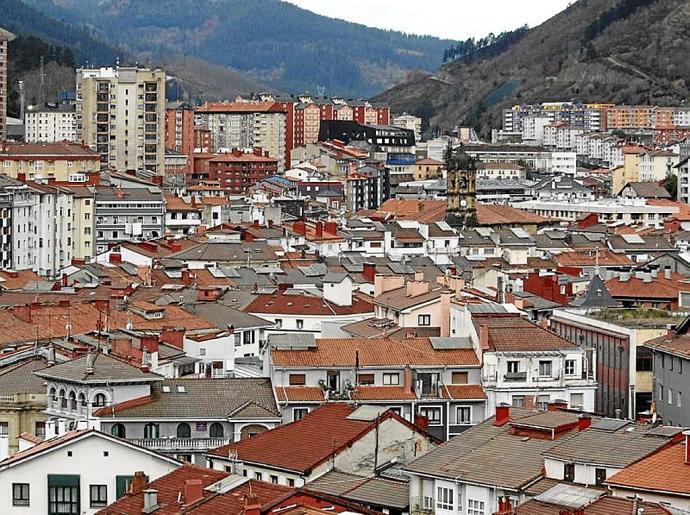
{"x": 453, "y": 19}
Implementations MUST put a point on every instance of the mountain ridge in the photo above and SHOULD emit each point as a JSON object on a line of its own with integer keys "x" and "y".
{"x": 637, "y": 58}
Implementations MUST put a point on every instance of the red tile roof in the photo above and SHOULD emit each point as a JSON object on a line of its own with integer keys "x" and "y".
{"x": 174, "y": 203}
{"x": 606, "y": 258}
{"x": 495, "y": 214}
{"x": 514, "y": 333}
{"x": 373, "y": 352}
{"x": 302, "y": 445}
{"x": 62, "y": 149}
{"x": 412, "y": 209}
{"x": 15, "y": 280}
{"x": 172, "y": 484}
{"x": 280, "y": 303}
{"x": 463, "y": 392}
{"x": 299, "y": 393}
{"x": 240, "y": 107}
{"x": 663, "y": 471}
{"x": 228, "y": 157}
{"x": 382, "y": 393}
{"x": 658, "y": 288}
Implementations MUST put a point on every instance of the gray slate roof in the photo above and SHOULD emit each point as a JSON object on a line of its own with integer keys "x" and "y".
{"x": 19, "y": 378}
{"x": 105, "y": 369}
{"x": 224, "y": 316}
{"x": 597, "y": 296}
{"x": 206, "y": 399}
{"x": 370, "y": 491}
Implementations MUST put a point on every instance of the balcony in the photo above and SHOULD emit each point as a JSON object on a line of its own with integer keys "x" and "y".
{"x": 421, "y": 505}
{"x": 515, "y": 376}
{"x": 180, "y": 444}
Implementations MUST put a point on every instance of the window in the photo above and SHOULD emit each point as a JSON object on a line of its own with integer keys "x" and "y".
{"x": 63, "y": 494}
{"x": 669, "y": 397}
{"x": 300, "y": 324}
{"x": 40, "y": 429}
{"x": 99, "y": 400}
{"x": 216, "y": 430}
{"x": 459, "y": 378}
{"x": 543, "y": 402}
{"x": 518, "y": 401}
{"x": 258, "y": 475}
{"x": 569, "y": 472}
{"x": 298, "y": 379}
{"x": 365, "y": 379}
{"x": 274, "y": 479}
{"x": 99, "y": 496}
{"x": 475, "y": 507}
{"x": 577, "y": 401}
{"x": 661, "y": 392}
{"x": 299, "y": 413}
{"x": 4, "y": 428}
{"x": 290, "y": 482}
{"x": 599, "y": 476}
{"x": 184, "y": 430}
{"x": 513, "y": 367}
{"x": 444, "y": 498}
{"x": 151, "y": 431}
{"x": 118, "y": 430}
{"x": 570, "y": 367}
{"x": 432, "y": 413}
{"x": 279, "y": 323}
{"x": 423, "y": 320}
{"x": 463, "y": 415}
{"x": 545, "y": 368}
{"x": 20, "y": 494}
{"x": 679, "y": 396}
{"x": 391, "y": 378}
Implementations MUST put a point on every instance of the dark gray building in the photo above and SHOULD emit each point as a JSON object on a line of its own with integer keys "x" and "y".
{"x": 671, "y": 366}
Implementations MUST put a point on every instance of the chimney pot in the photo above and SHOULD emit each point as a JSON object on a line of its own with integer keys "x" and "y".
{"x": 150, "y": 500}
{"x": 139, "y": 482}
{"x": 502, "y": 414}
{"x": 584, "y": 421}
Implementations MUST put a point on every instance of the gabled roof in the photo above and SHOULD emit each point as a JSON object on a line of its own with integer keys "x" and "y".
{"x": 302, "y": 445}
{"x": 106, "y": 369}
{"x": 200, "y": 398}
{"x": 370, "y": 491}
{"x": 69, "y": 437}
{"x": 511, "y": 333}
{"x": 373, "y": 352}
{"x": 19, "y": 377}
{"x": 648, "y": 190}
{"x": 664, "y": 471}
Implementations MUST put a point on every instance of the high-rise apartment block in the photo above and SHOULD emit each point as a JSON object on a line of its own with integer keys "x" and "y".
{"x": 49, "y": 124}
{"x": 179, "y": 127}
{"x": 5, "y": 38}
{"x": 121, "y": 114}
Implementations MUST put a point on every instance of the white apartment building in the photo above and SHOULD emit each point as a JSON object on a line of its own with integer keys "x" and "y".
{"x": 121, "y": 114}
{"x": 410, "y": 122}
{"x": 50, "y": 124}
{"x": 564, "y": 163}
{"x": 655, "y": 166}
{"x": 533, "y": 129}
{"x": 622, "y": 211}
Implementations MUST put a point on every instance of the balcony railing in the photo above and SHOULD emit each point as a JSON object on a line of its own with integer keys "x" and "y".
{"x": 516, "y": 376}
{"x": 180, "y": 444}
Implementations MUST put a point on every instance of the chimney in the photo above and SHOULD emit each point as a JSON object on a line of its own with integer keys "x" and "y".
{"x": 331, "y": 228}
{"x": 505, "y": 506}
{"x": 120, "y": 192}
{"x": 667, "y": 273}
{"x": 686, "y": 434}
{"x": 502, "y": 414}
{"x": 4, "y": 447}
{"x": 90, "y": 360}
{"x": 369, "y": 272}
{"x": 252, "y": 506}
{"x": 150, "y": 501}
{"x": 319, "y": 230}
{"x": 186, "y": 277}
{"x": 408, "y": 379}
{"x": 23, "y": 313}
{"x": 192, "y": 491}
{"x": 149, "y": 344}
{"x": 484, "y": 338}
{"x": 655, "y": 273}
{"x": 139, "y": 482}
{"x": 421, "y": 422}
{"x": 419, "y": 276}
{"x": 64, "y": 280}
{"x": 557, "y": 405}
{"x": 584, "y": 421}
{"x": 624, "y": 277}
{"x": 445, "y": 313}
{"x": 115, "y": 258}
{"x": 647, "y": 277}
{"x": 415, "y": 288}
{"x": 299, "y": 228}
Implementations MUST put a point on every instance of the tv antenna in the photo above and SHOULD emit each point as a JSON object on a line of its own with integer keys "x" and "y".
{"x": 321, "y": 90}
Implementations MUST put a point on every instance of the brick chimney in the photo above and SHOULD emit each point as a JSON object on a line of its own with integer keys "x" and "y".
{"x": 502, "y": 414}
{"x": 149, "y": 344}
{"x": 139, "y": 482}
{"x": 186, "y": 277}
{"x": 408, "y": 379}
{"x": 484, "y": 337}
{"x": 415, "y": 288}
{"x": 115, "y": 258}
{"x": 445, "y": 313}
{"x": 331, "y": 228}
{"x": 369, "y": 272}
{"x": 505, "y": 506}
{"x": 252, "y": 506}
{"x": 686, "y": 434}
{"x": 557, "y": 405}
{"x": 299, "y": 228}
{"x": 584, "y": 421}
{"x": 421, "y": 422}
{"x": 192, "y": 491}
{"x": 23, "y": 313}
{"x": 319, "y": 230}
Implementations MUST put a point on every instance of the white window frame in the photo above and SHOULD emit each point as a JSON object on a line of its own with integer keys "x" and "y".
{"x": 550, "y": 365}
{"x": 476, "y": 507}
{"x": 304, "y": 409}
{"x": 424, "y": 320}
{"x": 568, "y": 362}
{"x": 444, "y": 498}
{"x": 457, "y": 417}
{"x": 388, "y": 376}
{"x": 424, "y": 410}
